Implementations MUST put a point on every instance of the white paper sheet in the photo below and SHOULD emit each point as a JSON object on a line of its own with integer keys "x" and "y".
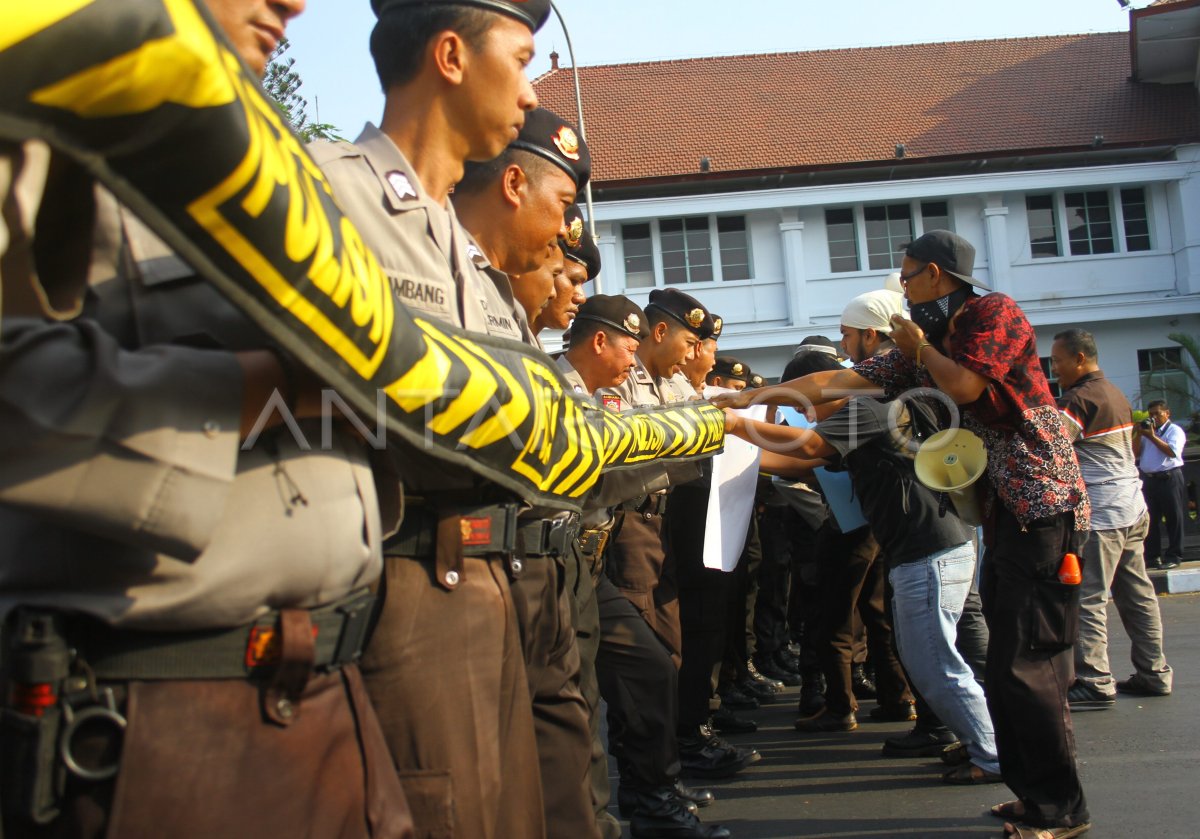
{"x": 731, "y": 500}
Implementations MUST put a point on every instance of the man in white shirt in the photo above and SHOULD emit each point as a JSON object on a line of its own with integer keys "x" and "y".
{"x": 1160, "y": 460}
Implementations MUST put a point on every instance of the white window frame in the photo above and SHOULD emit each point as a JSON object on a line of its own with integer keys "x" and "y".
{"x": 1117, "y": 209}
{"x": 714, "y": 243}
{"x": 860, "y": 228}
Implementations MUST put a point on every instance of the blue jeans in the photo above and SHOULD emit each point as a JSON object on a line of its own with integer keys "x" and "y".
{"x": 927, "y": 599}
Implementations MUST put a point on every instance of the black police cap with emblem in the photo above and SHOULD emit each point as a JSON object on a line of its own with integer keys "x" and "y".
{"x": 728, "y": 367}
{"x": 579, "y": 246}
{"x": 615, "y": 311}
{"x": 532, "y": 13}
{"x": 756, "y": 380}
{"x": 548, "y": 135}
{"x": 683, "y": 308}
{"x": 718, "y": 326}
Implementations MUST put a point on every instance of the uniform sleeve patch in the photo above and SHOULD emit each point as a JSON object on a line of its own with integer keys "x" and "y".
{"x": 613, "y": 403}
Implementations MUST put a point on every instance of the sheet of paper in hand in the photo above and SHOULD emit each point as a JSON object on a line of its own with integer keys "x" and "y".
{"x": 731, "y": 500}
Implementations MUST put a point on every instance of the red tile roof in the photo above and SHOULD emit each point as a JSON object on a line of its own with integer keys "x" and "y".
{"x": 797, "y": 111}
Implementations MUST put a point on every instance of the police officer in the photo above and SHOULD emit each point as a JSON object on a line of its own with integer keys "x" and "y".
{"x": 637, "y": 677}
{"x": 697, "y": 369}
{"x": 147, "y": 616}
{"x": 513, "y": 206}
{"x": 581, "y": 263}
{"x": 445, "y": 666}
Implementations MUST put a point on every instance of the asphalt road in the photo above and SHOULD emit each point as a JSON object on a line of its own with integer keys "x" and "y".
{"x": 1140, "y": 763}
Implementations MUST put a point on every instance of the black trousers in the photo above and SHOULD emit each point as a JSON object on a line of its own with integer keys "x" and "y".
{"x": 854, "y": 579}
{"x": 639, "y": 682}
{"x": 1166, "y": 498}
{"x": 774, "y": 580}
{"x": 703, "y": 595}
{"x": 1030, "y": 664}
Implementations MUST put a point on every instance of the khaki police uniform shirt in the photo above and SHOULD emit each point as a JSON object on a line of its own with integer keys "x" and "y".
{"x": 126, "y": 494}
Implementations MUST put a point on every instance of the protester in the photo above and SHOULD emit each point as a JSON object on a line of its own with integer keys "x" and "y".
{"x": 1099, "y": 419}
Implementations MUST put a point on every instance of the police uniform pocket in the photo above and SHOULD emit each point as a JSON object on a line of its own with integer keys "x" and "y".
{"x": 1053, "y": 615}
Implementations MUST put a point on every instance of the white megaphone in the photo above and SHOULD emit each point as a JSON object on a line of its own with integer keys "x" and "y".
{"x": 951, "y": 461}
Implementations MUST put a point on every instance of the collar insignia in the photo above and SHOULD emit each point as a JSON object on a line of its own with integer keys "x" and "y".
{"x": 567, "y": 143}
{"x": 401, "y": 185}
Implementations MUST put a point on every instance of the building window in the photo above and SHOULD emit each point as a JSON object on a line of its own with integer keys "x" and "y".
{"x": 639, "y": 255}
{"x": 889, "y": 228}
{"x": 1096, "y": 221}
{"x": 1051, "y": 379}
{"x": 1163, "y": 375}
{"x": 880, "y": 231}
{"x": 682, "y": 250}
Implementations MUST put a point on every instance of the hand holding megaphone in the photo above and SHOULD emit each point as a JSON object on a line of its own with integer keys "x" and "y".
{"x": 907, "y": 335}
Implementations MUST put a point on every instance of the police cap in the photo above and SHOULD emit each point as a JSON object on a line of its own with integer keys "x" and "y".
{"x": 683, "y": 308}
{"x": 728, "y": 367}
{"x": 756, "y": 380}
{"x": 616, "y": 312}
{"x": 532, "y": 13}
{"x": 548, "y": 135}
{"x": 718, "y": 325}
{"x": 579, "y": 246}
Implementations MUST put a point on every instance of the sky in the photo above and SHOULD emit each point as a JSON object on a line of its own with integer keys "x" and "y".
{"x": 329, "y": 41}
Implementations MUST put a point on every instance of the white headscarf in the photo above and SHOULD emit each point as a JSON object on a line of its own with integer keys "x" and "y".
{"x": 873, "y": 310}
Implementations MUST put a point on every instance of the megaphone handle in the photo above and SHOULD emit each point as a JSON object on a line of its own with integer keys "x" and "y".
{"x": 943, "y": 504}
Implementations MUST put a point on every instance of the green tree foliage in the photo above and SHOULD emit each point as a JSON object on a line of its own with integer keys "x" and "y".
{"x": 282, "y": 81}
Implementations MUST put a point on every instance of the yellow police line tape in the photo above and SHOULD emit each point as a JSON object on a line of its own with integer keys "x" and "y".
{"x": 150, "y": 98}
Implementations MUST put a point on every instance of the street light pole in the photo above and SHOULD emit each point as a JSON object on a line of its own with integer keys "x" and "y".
{"x": 587, "y": 189}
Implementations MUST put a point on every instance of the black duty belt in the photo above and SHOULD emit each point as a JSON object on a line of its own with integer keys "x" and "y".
{"x": 115, "y": 654}
{"x": 547, "y": 537}
{"x": 654, "y": 504}
{"x": 486, "y": 531}
{"x": 1166, "y": 473}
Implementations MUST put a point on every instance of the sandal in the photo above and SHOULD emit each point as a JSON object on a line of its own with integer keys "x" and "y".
{"x": 968, "y": 774}
{"x": 1024, "y": 831}
{"x": 1010, "y": 810}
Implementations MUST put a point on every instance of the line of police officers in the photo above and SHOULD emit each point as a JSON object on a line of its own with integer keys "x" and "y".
{"x": 278, "y": 639}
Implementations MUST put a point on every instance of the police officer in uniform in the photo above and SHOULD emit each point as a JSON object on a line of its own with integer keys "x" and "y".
{"x": 445, "y": 666}
{"x": 637, "y": 677}
{"x": 513, "y": 206}
{"x": 147, "y": 620}
{"x": 581, "y": 262}
{"x": 696, "y": 371}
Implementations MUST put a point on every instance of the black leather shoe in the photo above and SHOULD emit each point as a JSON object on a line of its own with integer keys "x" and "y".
{"x": 630, "y": 801}
{"x": 702, "y": 754}
{"x": 1169, "y": 562}
{"x": 825, "y": 721}
{"x": 1154, "y": 564}
{"x": 920, "y": 742}
{"x": 761, "y": 679}
{"x": 863, "y": 687}
{"x": 659, "y": 814}
{"x": 727, "y": 722}
{"x": 761, "y": 691}
{"x": 898, "y": 712}
{"x": 1136, "y": 685}
{"x": 696, "y": 796}
{"x": 787, "y": 661}
{"x": 772, "y": 670}
{"x": 736, "y": 699}
{"x": 812, "y": 694}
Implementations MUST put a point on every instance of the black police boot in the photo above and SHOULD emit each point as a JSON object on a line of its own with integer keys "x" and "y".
{"x": 727, "y": 722}
{"x": 694, "y": 795}
{"x": 736, "y": 699}
{"x": 630, "y": 800}
{"x": 863, "y": 687}
{"x": 758, "y": 677}
{"x": 771, "y": 669}
{"x": 659, "y": 814}
{"x": 702, "y": 754}
{"x": 812, "y": 694}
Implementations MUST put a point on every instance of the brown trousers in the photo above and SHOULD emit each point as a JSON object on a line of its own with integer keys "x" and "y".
{"x": 641, "y": 566}
{"x": 560, "y": 713}
{"x": 199, "y": 760}
{"x": 445, "y": 672}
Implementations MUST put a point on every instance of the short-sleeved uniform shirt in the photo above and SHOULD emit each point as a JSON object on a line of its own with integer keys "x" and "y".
{"x": 1031, "y": 463}
{"x": 872, "y": 440}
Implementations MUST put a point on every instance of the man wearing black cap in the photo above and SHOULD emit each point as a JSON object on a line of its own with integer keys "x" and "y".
{"x": 696, "y": 371}
{"x": 981, "y": 352}
{"x": 513, "y": 206}
{"x": 729, "y": 373}
{"x": 581, "y": 263}
{"x": 636, "y": 675}
{"x": 445, "y": 667}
